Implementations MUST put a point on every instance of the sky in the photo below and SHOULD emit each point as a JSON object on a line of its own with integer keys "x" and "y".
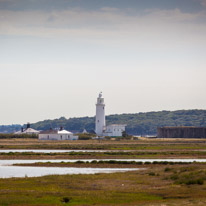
{"x": 56, "y": 56}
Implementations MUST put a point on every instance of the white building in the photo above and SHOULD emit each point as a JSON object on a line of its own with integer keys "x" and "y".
{"x": 57, "y": 135}
{"x": 114, "y": 130}
{"x": 28, "y": 130}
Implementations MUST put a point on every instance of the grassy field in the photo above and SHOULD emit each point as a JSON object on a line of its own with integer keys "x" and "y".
{"x": 144, "y": 148}
{"x": 157, "y": 185}
{"x": 164, "y": 184}
{"x": 142, "y": 144}
{"x": 104, "y": 155}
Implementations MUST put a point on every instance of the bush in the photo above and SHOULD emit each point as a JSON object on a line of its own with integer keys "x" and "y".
{"x": 79, "y": 162}
{"x": 193, "y": 181}
{"x": 167, "y": 169}
{"x": 174, "y": 177}
{"x": 66, "y": 199}
{"x": 18, "y": 136}
{"x": 151, "y": 174}
{"x": 185, "y": 176}
{"x": 200, "y": 181}
{"x": 86, "y": 136}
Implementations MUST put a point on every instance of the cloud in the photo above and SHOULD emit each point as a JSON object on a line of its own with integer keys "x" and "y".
{"x": 106, "y": 18}
{"x": 203, "y": 2}
{"x": 175, "y": 15}
{"x": 109, "y": 24}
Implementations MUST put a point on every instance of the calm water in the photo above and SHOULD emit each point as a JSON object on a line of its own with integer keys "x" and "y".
{"x": 7, "y": 170}
{"x": 17, "y": 171}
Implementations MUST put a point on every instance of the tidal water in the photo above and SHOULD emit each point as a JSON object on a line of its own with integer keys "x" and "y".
{"x": 18, "y": 171}
{"x": 7, "y": 169}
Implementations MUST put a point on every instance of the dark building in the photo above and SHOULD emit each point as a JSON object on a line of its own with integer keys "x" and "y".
{"x": 181, "y": 132}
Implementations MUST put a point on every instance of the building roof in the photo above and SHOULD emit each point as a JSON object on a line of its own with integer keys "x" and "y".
{"x": 30, "y": 130}
{"x": 56, "y": 132}
{"x": 84, "y": 131}
{"x": 64, "y": 132}
{"x": 27, "y": 131}
{"x": 51, "y": 131}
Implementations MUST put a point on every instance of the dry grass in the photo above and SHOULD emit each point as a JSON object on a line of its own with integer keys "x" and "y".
{"x": 158, "y": 185}
{"x": 130, "y": 188}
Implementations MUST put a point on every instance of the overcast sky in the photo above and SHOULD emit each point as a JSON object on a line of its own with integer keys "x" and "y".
{"x": 144, "y": 55}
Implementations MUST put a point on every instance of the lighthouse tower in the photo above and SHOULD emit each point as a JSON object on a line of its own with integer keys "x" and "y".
{"x": 100, "y": 115}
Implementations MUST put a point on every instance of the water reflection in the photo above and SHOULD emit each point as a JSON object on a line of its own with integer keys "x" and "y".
{"x": 17, "y": 171}
{"x": 7, "y": 170}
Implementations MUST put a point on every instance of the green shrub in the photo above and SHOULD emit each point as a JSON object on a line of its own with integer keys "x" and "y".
{"x": 174, "y": 177}
{"x": 200, "y": 181}
{"x": 18, "y": 136}
{"x": 66, "y": 199}
{"x": 86, "y": 136}
{"x": 167, "y": 169}
{"x": 151, "y": 174}
{"x": 79, "y": 162}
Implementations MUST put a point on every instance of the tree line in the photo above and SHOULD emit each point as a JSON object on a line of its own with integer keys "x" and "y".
{"x": 137, "y": 124}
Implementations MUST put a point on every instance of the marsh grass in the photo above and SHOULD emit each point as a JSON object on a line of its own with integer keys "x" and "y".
{"x": 101, "y": 155}
{"x": 160, "y": 145}
{"x": 188, "y": 176}
{"x": 162, "y": 183}
{"x": 145, "y": 187}
{"x": 105, "y": 164}
{"x": 132, "y": 149}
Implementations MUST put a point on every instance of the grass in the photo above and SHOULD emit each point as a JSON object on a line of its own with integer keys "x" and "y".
{"x": 149, "y": 144}
{"x": 160, "y": 184}
{"x": 78, "y": 189}
{"x": 153, "y": 186}
{"x": 189, "y": 176}
{"x": 104, "y": 155}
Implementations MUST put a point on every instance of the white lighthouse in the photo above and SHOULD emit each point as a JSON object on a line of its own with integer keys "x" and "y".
{"x": 100, "y": 115}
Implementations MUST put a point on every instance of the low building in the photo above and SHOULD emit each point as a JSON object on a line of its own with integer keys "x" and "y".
{"x": 181, "y": 132}
{"x": 27, "y": 130}
{"x": 114, "y": 130}
{"x": 57, "y": 135}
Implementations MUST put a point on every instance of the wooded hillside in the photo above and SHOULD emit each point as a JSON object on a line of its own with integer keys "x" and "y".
{"x": 137, "y": 124}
